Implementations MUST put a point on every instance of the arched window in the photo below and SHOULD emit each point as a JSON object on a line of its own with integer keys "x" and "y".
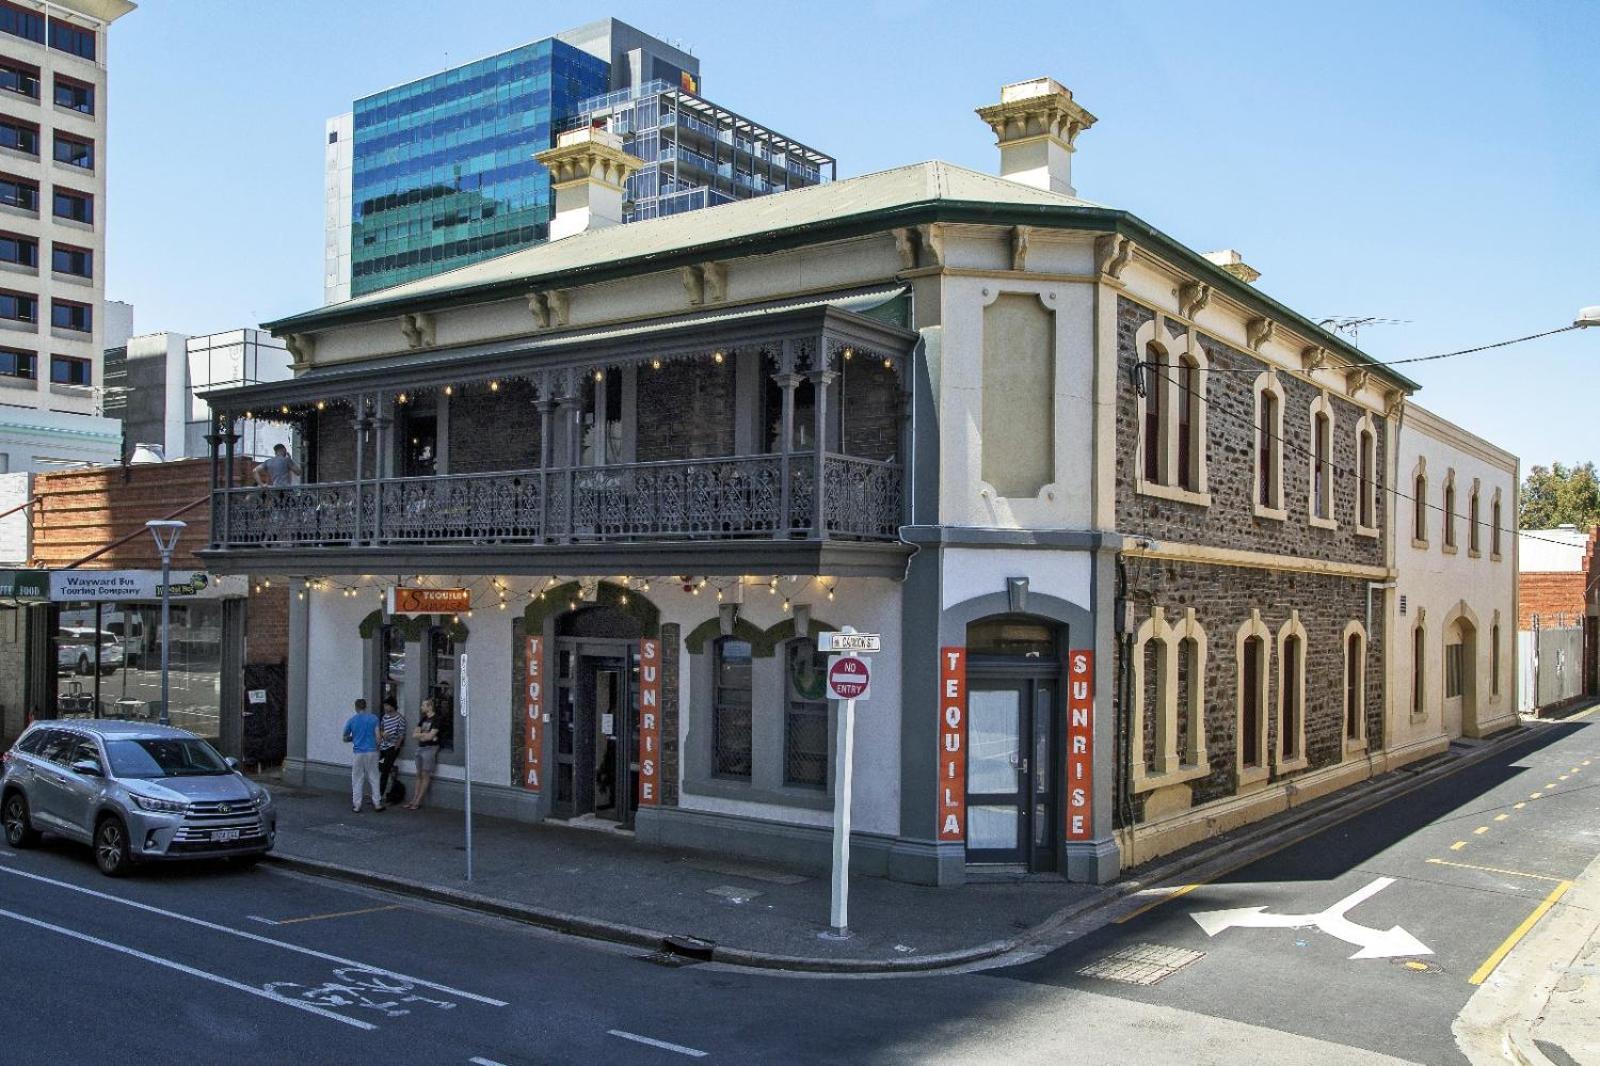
{"x": 1450, "y": 511}
{"x": 1419, "y": 502}
{"x": 1494, "y": 528}
{"x": 1169, "y": 729}
{"x": 731, "y": 708}
{"x": 1355, "y": 684}
{"x": 1367, "y": 471}
{"x": 1190, "y": 443}
{"x": 1291, "y": 747}
{"x": 1321, "y": 480}
{"x": 1156, "y": 370}
{"x": 1254, "y": 649}
{"x": 1473, "y": 542}
{"x": 1269, "y": 448}
{"x": 1152, "y": 694}
{"x": 805, "y": 715}
{"x": 1419, "y": 652}
{"x": 1494, "y": 659}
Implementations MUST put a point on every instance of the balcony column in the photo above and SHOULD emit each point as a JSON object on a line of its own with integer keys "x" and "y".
{"x": 229, "y": 439}
{"x": 821, "y": 377}
{"x": 787, "y": 380}
{"x": 546, "y": 406}
{"x": 381, "y": 419}
{"x": 359, "y": 422}
{"x": 218, "y": 501}
{"x": 570, "y": 421}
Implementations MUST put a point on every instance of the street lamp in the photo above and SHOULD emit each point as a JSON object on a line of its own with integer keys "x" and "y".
{"x": 165, "y": 531}
{"x": 1588, "y": 316}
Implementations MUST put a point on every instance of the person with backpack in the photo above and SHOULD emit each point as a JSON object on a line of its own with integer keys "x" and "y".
{"x": 391, "y": 738}
{"x": 361, "y": 733}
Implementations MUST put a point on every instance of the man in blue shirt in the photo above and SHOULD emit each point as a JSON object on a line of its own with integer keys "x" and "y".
{"x": 361, "y": 733}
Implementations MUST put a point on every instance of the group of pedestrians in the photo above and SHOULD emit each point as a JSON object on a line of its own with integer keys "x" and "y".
{"x": 376, "y": 742}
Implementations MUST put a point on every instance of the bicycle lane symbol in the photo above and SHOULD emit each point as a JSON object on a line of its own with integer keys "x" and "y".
{"x": 363, "y": 989}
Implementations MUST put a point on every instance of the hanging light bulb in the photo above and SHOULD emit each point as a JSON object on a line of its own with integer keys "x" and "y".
{"x": 400, "y": 398}
{"x": 719, "y": 595}
{"x": 322, "y": 405}
{"x": 646, "y": 586}
{"x": 449, "y": 390}
{"x": 623, "y": 599}
{"x": 655, "y": 364}
{"x": 830, "y": 592}
{"x": 888, "y": 364}
{"x": 849, "y": 353}
{"x": 717, "y": 357}
{"x": 599, "y": 375}
{"x": 786, "y": 606}
{"x": 266, "y": 582}
{"x": 494, "y": 386}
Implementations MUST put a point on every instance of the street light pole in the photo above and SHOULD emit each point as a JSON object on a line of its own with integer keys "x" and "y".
{"x": 165, "y": 532}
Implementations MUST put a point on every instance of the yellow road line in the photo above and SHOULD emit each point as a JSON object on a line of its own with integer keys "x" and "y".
{"x": 1501, "y": 817}
{"x": 1482, "y": 829}
{"x": 338, "y": 914}
{"x": 1495, "y": 870}
{"x": 1563, "y": 777}
{"x": 1535, "y": 795}
{"x": 1153, "y": 904}
{"x": 1458, "y": 845}
{"x": 1519, "y": 806}
{"x": 1550, "y": 785}
{"x": 1517, "y": 934}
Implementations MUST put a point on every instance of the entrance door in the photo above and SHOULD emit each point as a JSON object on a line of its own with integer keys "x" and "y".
{"x": 595, "y": 736}
{"x": 1011, "y": 778}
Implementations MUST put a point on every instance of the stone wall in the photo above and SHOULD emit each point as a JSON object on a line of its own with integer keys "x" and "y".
{"x": 1230, "y": 521}
{"x": 1223, "y": 597}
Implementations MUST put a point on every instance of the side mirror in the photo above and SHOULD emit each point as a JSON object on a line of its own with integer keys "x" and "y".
{"x": 87, "y": 767}
{"x": 233, "y": 764}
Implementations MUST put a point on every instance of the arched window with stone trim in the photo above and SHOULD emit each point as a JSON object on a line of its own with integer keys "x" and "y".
{"x": 1253, "y": 650}
{"x": 1450, "y": 511}
{"x": 1474, "y": 541}
{"x": 732, "y": 708}
{"x": 1355, "y": 684}
{"x": 1269, "y": 446}
{"x": 1367, "y": 476}
{"x": 1169, "y": 699}
{"x": 1320, "y": 482}
{"x": 1156, "y": 371}
{"x": 1191, "y": 444}
{"x": 1291, "y": 747}
{"x": 1419, "y": 669}
{"x": 1495, "y": 520}
{"x": 1419, "y": 506}
{"x": 1494, "y": 656}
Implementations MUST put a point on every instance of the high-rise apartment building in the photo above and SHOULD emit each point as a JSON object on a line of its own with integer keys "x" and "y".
{"x": 52, "y": 230}
{"x": 440, "y": 172}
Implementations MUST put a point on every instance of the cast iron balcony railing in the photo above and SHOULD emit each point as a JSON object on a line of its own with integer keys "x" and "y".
{"x": 748, "y": 497}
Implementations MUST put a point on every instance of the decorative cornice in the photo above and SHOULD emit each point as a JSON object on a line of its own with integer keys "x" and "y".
{"x": 1258, "y": 331}
{"x": 588, "y": 160}
{"x": 418, "y": 328}
{"x": 1313, "y": 357}
{"x": 1112, "y": 253}
{"x": 1019, "y": 247}
{"x": 705, "y": 283}
{"x": 1053, "y": 114}
{"x": 549, "y": 308}
{"x": 1192, "y": 298}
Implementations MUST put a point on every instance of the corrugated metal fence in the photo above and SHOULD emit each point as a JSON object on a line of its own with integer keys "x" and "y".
{"x": 1551, "y": 661}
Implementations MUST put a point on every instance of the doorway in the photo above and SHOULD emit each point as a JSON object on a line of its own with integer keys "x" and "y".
{"x": 597, "y": 731}
{"x": 1014, "y": 730}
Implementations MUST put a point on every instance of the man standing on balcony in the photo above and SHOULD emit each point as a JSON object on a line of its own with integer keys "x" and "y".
{"x": 361, "y": 733}
{"x": 277, "y": 470}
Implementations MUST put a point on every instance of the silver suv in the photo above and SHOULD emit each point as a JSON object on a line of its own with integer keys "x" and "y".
{"x": 134, "y": 792}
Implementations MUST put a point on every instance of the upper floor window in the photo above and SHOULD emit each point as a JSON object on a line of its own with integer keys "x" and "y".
{"x": 732, "y": 725}
{"x": 19, "y": 192}
{"x": 1473, "y": 540}
{"x": 15, "y": 248}
{"x": 1172, "y": 426}
{"x": 19, "y": 306}
{"x": 78, "y": 206}
{"x": 1269, "y": 446}
{"x": 1321, "y": 480}
{"x": 20, "y": 22}
{"x": 1450, "y": 511}
{"x": 1419, "y": 501}
{"x": 19, "y": 78}
{"x": 69, "y": 314}
{"x": 74, "y": 94}
{"x": 77, "y": 40}
{"x": 1367, "y": 471}
{"x": 70, "y": 259}
{"x": 1190, "y": 443}
{"x": 74, "y": 151}
{"x": 70, "y": 370}
{"x": 1156, "y": 370}
{"x": 19, "y": 136}
{"x": 16, "y": 363}
{"x": 1494, "y": 528}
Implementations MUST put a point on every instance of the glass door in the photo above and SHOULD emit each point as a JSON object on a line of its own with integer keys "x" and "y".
{"x": 997, "y": 772}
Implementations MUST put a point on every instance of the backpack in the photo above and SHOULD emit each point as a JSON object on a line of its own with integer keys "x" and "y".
{"x": 397, "y": 790}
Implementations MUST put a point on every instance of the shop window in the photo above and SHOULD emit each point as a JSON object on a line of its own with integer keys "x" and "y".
{"x": 805, "y": 722}
{"x": 441, "y": 683}
{"x": 108, "y": 663}
{"x": 394, "y": 667}
{"x": 731, "y": 714}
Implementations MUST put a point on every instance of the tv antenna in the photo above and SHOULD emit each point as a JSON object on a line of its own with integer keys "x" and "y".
{"x": 1350, "y": 325}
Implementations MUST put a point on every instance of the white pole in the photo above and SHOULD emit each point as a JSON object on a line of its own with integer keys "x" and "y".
{"x": 466, "y": 730}
{"x": 844, "y": 749}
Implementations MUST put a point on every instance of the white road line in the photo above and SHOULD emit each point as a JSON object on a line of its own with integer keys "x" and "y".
{"x": 190, "y": 970}
{"x": 258, "y": 918}
{"x": 693, "y": 1053}
{"x": 341, "y": 960}
{"x": 481, "y": 1061}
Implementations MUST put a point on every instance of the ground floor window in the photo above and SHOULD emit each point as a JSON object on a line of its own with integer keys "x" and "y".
{"x": 731, "y": 709}
{"x": 805, "y": 715}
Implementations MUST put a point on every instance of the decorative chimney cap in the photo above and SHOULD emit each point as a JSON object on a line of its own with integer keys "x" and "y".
{"x": 589, "y": 153}
{"x": 1038, "y": 107}
{"x": 1231, "y": 261}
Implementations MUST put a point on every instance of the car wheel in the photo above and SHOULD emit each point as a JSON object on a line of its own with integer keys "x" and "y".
{"x": 111, "y": 847}
{"x": 20, "y": 832}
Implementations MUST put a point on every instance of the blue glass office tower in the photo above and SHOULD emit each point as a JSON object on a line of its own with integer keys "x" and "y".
{"x": 442, "y": 172}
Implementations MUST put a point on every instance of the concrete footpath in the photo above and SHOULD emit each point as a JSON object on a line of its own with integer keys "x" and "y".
{"x": 603, "y": 884}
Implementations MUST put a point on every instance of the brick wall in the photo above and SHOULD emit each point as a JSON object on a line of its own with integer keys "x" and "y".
{"x": 1223, "y": 598}
{"x": 333, "y": 441}
{"x": 871, "y": 409}
{"x": 1230, "y": 521}
{"x": 686, "y": 410}
{"x": 266, "y": 627}
{"x": 494, "y": 430}
{"x": 1550, "y": 596}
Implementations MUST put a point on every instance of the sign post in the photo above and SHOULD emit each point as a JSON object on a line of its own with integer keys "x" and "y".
{"x": 849, "y": 679}
{"x": 466, "y": 737}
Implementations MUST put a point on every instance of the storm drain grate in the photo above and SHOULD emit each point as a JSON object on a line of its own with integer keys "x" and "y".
{"x": 1141, "y": 964}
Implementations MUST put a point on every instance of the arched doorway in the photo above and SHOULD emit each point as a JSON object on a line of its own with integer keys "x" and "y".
{"x": 1460, "y": 676}
{"x": 1014, "y": 728}
{"x": 596, "y": 744}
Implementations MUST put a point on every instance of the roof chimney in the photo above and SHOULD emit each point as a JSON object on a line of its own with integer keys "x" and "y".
{"x": 588, "y": 169}
{"x": 1035, "y": 123}
{"x": 1231, "y": 261}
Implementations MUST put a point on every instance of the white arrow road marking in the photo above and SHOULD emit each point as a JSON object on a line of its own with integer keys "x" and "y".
{"x": 1374, "y": 943}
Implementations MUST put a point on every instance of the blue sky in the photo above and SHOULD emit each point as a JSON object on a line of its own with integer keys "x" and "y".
{"x": 1432, "y": 162}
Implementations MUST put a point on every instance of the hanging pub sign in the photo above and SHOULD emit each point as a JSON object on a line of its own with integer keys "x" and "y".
{"x": 1080, "y": 745}
{"x": 428, "y": 601}
{"x": 952, "y": 805}
{"x": 533, "y": 717}
{"x": 649, "y": 723}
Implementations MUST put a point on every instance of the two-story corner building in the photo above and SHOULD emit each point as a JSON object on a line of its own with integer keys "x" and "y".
{"x": 1452, "y": 615}
{"x": 1010, "y": 430}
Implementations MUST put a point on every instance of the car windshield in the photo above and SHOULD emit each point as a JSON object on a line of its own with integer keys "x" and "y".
{"x": 164, "y": 758}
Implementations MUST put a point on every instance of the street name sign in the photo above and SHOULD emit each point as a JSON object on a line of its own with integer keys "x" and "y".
{"x": 850, "y": 643}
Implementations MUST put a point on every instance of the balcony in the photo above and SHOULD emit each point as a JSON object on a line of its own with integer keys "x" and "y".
{"x": 517, "y": 466}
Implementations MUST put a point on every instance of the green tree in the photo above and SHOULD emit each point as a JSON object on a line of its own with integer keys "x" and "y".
{"x": 1558, "y": 495}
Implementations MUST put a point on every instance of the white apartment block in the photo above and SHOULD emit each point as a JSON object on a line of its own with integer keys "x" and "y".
{"x": 52, "y": 231}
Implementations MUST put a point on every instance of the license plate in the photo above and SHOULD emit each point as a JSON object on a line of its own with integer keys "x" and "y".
{"x": 222, "y": 836}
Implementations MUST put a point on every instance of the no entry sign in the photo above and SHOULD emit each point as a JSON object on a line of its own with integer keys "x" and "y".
{"x": 849, "y": 679}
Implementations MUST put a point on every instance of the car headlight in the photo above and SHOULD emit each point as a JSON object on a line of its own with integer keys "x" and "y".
{"x": 159, "y": 806}
{"x": 262, "y": 799}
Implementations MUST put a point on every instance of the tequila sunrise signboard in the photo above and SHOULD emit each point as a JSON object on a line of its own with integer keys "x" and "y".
{"x": 429, "y": 601}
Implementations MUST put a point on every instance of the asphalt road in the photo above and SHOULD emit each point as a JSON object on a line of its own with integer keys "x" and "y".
{"x": 208, "y": 964}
